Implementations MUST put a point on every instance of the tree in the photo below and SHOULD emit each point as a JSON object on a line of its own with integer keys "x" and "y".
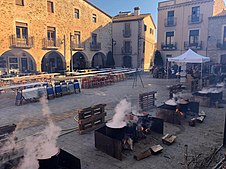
{"x": 158, "y": 61}
{"x": 110, "y": 60}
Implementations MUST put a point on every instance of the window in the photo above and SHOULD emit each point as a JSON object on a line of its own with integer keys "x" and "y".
{"x": 151, "y": 31}
{"x": 51, "y": 36}
{"x": 94, "y": 18}
{"x": 21, "y": 30}
{"x": 13, "y": 63}
{"x": 127, "y": 46}
{"x": 194, "y": 37}
{"x": 127, "y": 27}
{"x": 195, "y": 16}
{"x": 20, "y": 2}
{"x": 77, "y": 13}
{"x": 169, "y": 38}
{"x": 145, "y": 27}
{"x": 50, "y": 7}
{"x": 77, "y": 37}
{"x": 170, "y": 18}
{"x": 94, "y": 38}
{"x": 144, "y": 47}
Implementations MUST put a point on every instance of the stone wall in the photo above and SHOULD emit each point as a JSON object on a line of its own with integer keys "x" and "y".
{"x": 216, "y": 29}
{"x": 35, "y": 14}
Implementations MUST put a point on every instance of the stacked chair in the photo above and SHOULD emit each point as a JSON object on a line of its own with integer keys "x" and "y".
{"x": 63, "y": 88}
{"x": 98, "y": 81}
{"x": 77, "y": 86}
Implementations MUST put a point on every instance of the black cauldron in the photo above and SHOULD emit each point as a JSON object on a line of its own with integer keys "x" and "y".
{"x": 50, "y": 163}
{"x": 116, "y": 132}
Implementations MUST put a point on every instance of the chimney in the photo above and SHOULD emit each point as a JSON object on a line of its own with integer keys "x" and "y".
{"x": 136, "y": 11}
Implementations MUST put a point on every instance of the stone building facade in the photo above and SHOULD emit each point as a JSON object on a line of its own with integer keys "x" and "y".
{"x": 134, "y": 39}
{"x": 183, "y": 24}
{"x": 217, "y": 38}
{"x": 50, "y": 35}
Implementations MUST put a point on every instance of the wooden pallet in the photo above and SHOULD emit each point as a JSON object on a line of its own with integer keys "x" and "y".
{"x": 147, "y": 100}
{"x": 91, "y": 118}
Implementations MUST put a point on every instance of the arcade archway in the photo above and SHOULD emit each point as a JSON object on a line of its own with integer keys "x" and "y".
{"x": 80, "y": 61}
{"x": 18, "y": 61}
{"x": 99, "y": 60}
{"x": 53, "y": 62}
{"x": 127, "y": 61}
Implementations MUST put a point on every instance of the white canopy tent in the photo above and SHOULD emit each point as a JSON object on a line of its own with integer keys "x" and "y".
{"x": 190, "y": 57}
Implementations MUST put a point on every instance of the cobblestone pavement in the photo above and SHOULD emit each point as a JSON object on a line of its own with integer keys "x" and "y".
{"x": 200, "y": 139}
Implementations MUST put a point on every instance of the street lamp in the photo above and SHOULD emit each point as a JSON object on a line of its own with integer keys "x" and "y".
{"x": 113, "y": 43}
{"x": 207, "y": 44}
{"x": 72, "y": 62}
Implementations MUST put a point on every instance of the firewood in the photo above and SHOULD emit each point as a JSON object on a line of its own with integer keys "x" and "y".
{"x": 168, "y": 139}
{"x": 142, "y": 155}
{"x": 156, "y": 149}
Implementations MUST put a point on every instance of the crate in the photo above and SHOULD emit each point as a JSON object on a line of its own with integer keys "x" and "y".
{"x": 91, "y": 118}
{"x": 147, "y": 100}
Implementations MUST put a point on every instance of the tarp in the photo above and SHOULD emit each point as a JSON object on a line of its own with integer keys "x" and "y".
{"x": 189, "y": 57}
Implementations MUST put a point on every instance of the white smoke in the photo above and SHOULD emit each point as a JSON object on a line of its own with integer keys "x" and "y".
{"x": 121, "y": 110}
{"x": 43, "y": 146}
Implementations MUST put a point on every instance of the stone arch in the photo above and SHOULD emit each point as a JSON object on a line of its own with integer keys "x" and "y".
{"x": 53, "y": 62}
{"x": 127, "y": 61}
{"x": 17, "y": 60}
{"x": 99, "y": 60}
{"x": 80, "y": 61}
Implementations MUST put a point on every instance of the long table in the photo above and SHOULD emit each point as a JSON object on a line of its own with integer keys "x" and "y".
{"x": 31, "y": 77}
{"x": 16, "y": 87}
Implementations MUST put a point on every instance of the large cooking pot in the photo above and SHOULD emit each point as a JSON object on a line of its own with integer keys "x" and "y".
{"x": 116, "y": 131}
{"x": 49, "y": 163}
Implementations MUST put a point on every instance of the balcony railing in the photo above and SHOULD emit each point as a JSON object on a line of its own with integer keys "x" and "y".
{"x": 127, "y": 50}
{"x": 221, "y": 45}
{"x": 196, "y": 46}
{"x": 126, "y": 33}
{"x": 95, "y": 46}
{"x": 27, "y": 42}
{"x": 172, "y": 46}
{"x": 171, "y": 21}
{"x": 51, "y": 44}
{"x": 77, "y": 46}
{"x": 193, "y": 19}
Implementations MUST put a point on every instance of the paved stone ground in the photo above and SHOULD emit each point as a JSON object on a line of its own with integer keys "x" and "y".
{"x": 200, "y": 139}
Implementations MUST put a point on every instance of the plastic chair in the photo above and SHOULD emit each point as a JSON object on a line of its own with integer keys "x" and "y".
{"x": 71, "y": 88}
{"x": 76, "y": 86}
{"x": 64, "y": 88}
{"x": 50, "y": 92}
{"x": 58, "y": 89}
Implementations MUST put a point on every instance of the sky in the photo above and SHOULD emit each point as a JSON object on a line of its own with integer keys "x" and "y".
{"x": 113, "y": 7}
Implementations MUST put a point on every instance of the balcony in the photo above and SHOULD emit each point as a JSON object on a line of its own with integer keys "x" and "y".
{"x": 51, "y": 44}
{"x": 195, "y": 46}
{"x": 126, "y": 33}
{"x": 95, "y": 46}
{"x": 26, "y": 43}
{"x": 221, "y": 45}
{"x": 127, "y": 50}
{"x": 192, "y": 19}
{"x": 77, "y": 46}
{"x": 171, "y": 21}
{"x": 172, "y": 46}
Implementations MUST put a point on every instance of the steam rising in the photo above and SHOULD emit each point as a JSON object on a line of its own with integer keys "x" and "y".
{"x": 42, "y": 146}
{"x": 121, "y": 110}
